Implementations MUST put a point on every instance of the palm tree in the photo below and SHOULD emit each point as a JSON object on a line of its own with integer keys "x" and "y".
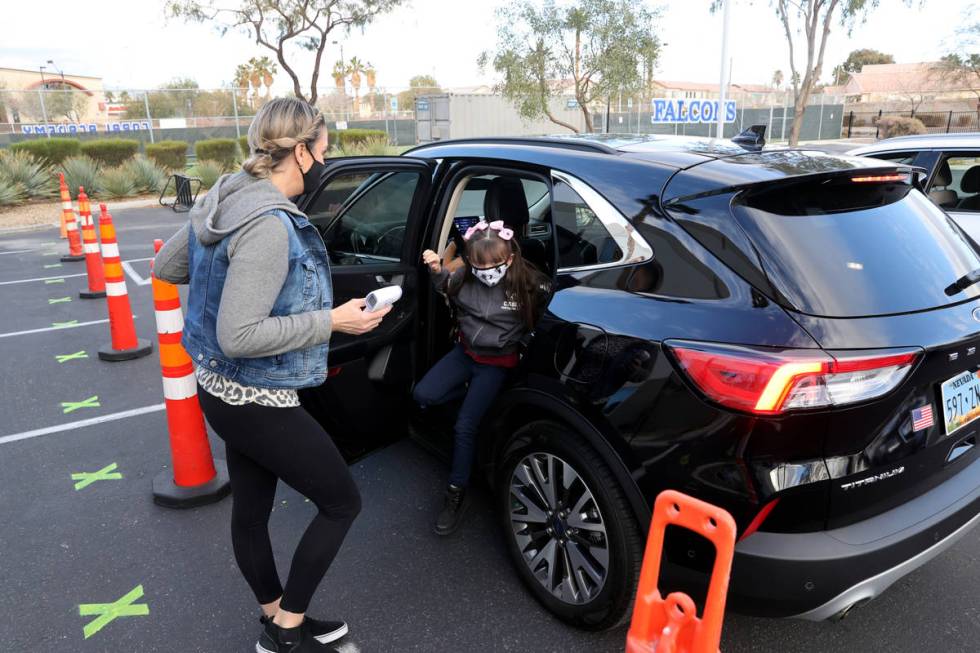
{"x": 267, "y": 68}
{"x": 355, "y": 67}
{"x": 339, "y": 74}
{"x": 242, "y": 73}
{"x": 777, "y": 79}
{"x": 371, "y": 76}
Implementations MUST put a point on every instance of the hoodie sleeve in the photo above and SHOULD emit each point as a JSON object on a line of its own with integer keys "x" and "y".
{"x": 258, "y": 264}
{"x": 170, "y": 263}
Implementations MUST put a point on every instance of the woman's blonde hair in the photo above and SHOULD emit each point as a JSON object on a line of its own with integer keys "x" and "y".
{"x": 278, "y": 127}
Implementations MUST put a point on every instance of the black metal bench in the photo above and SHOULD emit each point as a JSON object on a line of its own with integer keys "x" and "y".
{"x": 185, "y": 196}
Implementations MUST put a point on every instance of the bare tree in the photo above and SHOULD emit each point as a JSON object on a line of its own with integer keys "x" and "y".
{"x": 279, "y": 24}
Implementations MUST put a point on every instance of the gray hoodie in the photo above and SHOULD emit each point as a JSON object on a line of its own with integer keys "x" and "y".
{"x": 238, "y": 207}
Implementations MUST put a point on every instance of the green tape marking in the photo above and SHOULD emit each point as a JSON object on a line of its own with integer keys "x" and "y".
{"x": 50, "y": 281}
{"x": 59, "y": 300}
{"x": 107, "y": 473}
{"x": 108, "y": 612}
{"x": 61, "y": 358}
{"x": 72, "y": 406}
{"x": 62, "y": 325}
{"x": 49, "y": 254}
{"x": 52, "y": 265}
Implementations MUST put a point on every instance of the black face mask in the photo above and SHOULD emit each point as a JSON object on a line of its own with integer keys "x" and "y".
{"x": 311, "y": 178}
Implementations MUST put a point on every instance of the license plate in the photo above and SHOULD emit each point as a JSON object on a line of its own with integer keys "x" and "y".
{"x": 961, "y": 400}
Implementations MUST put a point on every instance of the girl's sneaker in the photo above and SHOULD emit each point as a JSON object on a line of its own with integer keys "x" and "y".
{"x": 323, "y": 631}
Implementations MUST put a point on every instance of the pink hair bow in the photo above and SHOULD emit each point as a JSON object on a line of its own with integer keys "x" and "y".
{"x": 496, "y": 225}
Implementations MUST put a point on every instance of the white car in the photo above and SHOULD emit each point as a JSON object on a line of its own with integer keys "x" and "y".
{"x": 953, "y": 165}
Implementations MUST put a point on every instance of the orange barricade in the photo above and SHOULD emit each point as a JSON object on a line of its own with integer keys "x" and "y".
{"x": 671, "y": 625}
{"x": 90, "y": 245}
{"x": 197, "y": 478}
{"x": 125, "y": 345}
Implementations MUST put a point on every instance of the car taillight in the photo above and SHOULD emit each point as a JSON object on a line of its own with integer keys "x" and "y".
{"x": 881, "y": 178}
{"x": 768, "y": 382}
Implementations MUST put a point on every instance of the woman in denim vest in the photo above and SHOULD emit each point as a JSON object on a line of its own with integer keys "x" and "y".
{"x": 259, "y": 317}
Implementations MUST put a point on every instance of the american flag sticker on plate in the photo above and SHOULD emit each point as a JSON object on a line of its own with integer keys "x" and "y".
{"x": 922, "y": 418}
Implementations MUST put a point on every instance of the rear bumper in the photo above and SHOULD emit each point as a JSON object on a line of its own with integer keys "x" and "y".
{"x": 817, "y": 575}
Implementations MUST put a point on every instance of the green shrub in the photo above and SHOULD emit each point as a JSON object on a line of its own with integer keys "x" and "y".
{"x": 368, "y": 148}
{"x": 207, "y": 171}
{"x": 10, "y": 191}
{"x": 243, "y": 146}
{"x": 146, "y": 175}
{"x": 889, "y": 126}
{"x": 221, "y": 150}
{"x": 111, "y": 151}
{"x": 51, "y": 150}
{"x": 349, "y": 137}
{"x": 117, "y": 182}
{"x": 169, "y": 155}
{"x": 81, "y": 171}
{"x": 33, "y": 175}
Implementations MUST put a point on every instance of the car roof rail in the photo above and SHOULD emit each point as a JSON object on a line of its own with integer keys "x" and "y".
{"x": 568, "y": 143}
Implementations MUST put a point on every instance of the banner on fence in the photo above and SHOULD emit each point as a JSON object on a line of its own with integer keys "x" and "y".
{"x": 689, "y": 111}
{"x": 85, "y": 128}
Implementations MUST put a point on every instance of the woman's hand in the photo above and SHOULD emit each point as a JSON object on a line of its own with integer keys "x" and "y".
{"x": 431, "y": 259}
{"x": 351, "y": 318}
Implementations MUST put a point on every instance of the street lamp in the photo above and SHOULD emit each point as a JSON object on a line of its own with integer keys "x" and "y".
{"x": 40, "y": 95}
{"x": 64, "y": 87}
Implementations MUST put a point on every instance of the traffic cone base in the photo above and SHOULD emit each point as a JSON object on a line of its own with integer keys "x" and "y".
{"x": 168, "y": 494}
{"x": 142, "y": 348}
{"x": 69, "y": 258}
{"x": 88, "y": 294}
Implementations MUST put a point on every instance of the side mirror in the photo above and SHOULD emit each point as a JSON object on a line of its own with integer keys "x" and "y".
{"x": 752, "y": 139}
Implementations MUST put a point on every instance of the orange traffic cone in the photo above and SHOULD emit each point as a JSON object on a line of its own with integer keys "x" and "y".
{"x": 671, "y": 624}
{"x": 197, "y": 478}
{"x": 75, "y": 252}
{"x": 90, "y": 245}
{"x": 125, "y": 345}
{"x": 65, "y": 203}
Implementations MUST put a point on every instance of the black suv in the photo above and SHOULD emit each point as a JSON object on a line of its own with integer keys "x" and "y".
{"x": 787, "y": 334}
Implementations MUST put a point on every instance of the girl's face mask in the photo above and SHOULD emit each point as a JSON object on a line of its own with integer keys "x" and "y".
{"x": 491, "y": 276}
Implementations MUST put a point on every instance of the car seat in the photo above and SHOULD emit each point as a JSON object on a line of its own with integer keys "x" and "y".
{"x": 970, "y": 184}
{"x": 505, "y": 200}
{"x": 944, "y": 198}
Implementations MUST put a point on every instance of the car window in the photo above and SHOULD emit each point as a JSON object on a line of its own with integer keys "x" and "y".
{"x": 362, "y": 216}
{"x": 956, "y": 184}
{"x": 471, "y": 202}
{"x": 582, "y": 238}
{"x": 902, "y": 158}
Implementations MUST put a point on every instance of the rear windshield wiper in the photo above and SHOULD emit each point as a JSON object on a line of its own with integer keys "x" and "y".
{"x": 963, "y": 282}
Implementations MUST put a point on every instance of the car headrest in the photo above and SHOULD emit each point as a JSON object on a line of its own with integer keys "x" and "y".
{"x": 944, "y": 176}
{"x": 971, "y": 180}
{"x": 505, "y": 200}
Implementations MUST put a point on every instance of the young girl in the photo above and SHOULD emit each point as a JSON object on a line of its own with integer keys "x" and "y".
{"x": 497, "y": 295}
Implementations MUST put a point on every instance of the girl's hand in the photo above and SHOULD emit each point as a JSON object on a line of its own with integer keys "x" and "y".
{"x": 351, "y": 318}
{"x": 431, "y": 259}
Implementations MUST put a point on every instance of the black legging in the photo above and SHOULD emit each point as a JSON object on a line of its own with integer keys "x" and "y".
{"x": 265, "y": 444}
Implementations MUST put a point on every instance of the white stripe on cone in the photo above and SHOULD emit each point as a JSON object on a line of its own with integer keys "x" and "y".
{"x": 115, "y": 288}
{"x": 184, "y": 387}
{"x": 71, "y": 225}
{"x": 170, "y": 321}
{"x": 91, "y": 248}
{"x": 110, "y": 250}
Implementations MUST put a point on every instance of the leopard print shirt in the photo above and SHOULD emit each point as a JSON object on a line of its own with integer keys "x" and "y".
{"x": 237, "y": 394}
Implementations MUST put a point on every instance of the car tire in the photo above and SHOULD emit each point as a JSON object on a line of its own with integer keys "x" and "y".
{"x": 528, "y": 455}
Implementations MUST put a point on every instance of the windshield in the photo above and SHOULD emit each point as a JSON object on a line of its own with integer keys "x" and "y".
{"x": 849, "y": 249}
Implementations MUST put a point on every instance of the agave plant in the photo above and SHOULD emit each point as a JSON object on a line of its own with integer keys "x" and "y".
{"x": 148, "y": 177}
{"x": 207, "y": 171}
{"x": 10, "y": 191}
{"x": 81, "y": 171}
{"x": 31, "y": 173}
{"x": 117, "y": 182}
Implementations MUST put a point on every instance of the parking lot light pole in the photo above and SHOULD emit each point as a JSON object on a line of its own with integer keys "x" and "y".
{"x": 722, "y": 91}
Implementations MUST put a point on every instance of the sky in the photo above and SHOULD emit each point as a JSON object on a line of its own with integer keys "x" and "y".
{"x": 136, "y": 47}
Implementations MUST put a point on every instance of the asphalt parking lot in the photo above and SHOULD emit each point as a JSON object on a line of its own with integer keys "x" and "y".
{"x": 169, "y": 576}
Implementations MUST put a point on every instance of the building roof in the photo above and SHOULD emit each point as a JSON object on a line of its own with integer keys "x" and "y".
{"x": 901, "y": 77}
{"x": 711, "y": 86}
{"x": 50, "y": 72}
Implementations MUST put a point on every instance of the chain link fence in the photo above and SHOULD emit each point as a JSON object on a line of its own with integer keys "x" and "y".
{"x": 864, "y": 124}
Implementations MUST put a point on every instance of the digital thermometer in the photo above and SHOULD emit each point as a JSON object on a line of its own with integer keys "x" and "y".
{"x": 378, "y": 299}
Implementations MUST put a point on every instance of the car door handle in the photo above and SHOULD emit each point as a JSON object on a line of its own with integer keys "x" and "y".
{"x": 390, "y": 280}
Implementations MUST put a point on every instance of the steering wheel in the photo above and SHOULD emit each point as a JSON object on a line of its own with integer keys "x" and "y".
{"x": 390, "y": 233}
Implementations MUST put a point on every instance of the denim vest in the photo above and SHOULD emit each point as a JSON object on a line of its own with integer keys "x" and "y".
{"x": 306, "y": 288}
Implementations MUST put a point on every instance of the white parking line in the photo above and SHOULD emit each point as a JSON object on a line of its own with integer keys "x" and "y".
{"x": 137, "y": 279}
{"x": 18, "y": 251}
{"x": 111, "y": 417}
{"x": 60, "y": 276}
{"x": 53, "y": 328}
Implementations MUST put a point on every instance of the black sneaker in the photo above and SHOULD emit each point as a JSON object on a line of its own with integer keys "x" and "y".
{"x": 322, "y": 631}
{"x": 453, "y": 509}
{"x": 287, "y": 640}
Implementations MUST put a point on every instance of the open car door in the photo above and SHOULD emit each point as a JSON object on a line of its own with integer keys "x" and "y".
{"x": 370, "y": 212}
